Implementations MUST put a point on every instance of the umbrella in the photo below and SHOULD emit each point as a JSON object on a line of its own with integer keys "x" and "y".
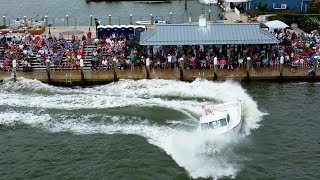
{"x": 276, "y": 24}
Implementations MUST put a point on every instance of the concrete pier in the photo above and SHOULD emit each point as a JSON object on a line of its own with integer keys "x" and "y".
{"x": 104, "y": 77}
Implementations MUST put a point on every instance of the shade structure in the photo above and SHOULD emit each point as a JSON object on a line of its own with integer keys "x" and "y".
{"x": 276, "y": 24}
{"x": 215, "y": 33}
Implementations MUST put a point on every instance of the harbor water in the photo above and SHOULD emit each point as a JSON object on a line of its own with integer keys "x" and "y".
{"x": 147, "y": 129}
{"x": 79, "y": 11}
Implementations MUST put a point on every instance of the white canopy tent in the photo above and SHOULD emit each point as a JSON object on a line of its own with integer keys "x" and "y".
{"x": 276, "y": 24}
{"x": 236, "y": 1}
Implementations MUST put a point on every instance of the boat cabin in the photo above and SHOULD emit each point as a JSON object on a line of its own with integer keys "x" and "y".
{"x": 215, "y": 121}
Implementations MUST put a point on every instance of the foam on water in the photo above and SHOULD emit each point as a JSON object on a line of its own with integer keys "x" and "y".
{"x": 200, "y": 155}
{"x": 31, "y": 86}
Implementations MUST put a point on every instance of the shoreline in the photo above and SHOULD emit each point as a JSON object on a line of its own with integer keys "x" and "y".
{"x": 98, "y": 77}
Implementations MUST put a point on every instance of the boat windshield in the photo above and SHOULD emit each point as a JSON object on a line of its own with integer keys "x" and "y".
{"x": 214, "y": 124}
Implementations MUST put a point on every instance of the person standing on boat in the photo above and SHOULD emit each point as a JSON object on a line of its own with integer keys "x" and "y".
{"x": 205, "y": 107}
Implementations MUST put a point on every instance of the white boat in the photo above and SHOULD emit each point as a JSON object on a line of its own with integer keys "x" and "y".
{"x": 208, "y": 2}
{"x": 149, "y": 22}
{"x": 223, "y": 118}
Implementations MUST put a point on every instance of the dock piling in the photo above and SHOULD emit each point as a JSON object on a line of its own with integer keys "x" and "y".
{"x": 67, "y": 18}
{"x": 281, "y": 66}
{"x": 90, "y": 20}
{"x": 181, "y": 68}
{"x": 151, "y": 19}
{"x": 248, "y": 68}
{"x": 131, "y": 23}
{"x": 25, "y": 21}
{"x": 46, "y": 19}
{"x": 82, "y": 74}
{"x": 315, "y": 66}
{"x": 115, "y": 78}
{"x": 215, "y": 68}
{"x": 14, "y": 65}
{"x": 148, "y": 68}
{"x": 4, "y": 20}
{"x": 110, "y": 20}
{"x": 209, "y": 15}
{"x": 171, "y": 17}
{"x": 48, "y": 70}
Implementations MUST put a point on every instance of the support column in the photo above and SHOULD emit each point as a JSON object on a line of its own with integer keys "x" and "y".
{"x": 82, "y": 74}
{"x": 181, "y": 68}
{"x": 48, "y": 70}
{"x": 248, "y": 68}
{"x": 14, "y": 65}
{"x": 115, "y": 78}
{"x": 148, "y": 68}
{"x": 281, "y": 67}
{"x": 215, "y": 68}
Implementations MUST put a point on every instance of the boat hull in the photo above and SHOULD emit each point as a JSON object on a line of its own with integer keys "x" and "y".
{"x": 231, "y": 109}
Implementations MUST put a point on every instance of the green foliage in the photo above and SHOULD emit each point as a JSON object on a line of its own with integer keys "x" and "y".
{"x": 314, "y": 6}
{"x": 307, "y": 23}
{"x": 3, "y": 27}
{"x": 262, "y": 7}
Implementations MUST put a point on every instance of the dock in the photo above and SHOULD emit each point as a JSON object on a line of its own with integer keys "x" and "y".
{"x": 96, "y": 77}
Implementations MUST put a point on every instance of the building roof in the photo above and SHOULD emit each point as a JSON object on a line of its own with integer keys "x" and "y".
{"x": 214, "y": 33}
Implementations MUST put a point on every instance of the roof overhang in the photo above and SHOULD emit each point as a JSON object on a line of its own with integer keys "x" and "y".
{"x": 215, "y": 33}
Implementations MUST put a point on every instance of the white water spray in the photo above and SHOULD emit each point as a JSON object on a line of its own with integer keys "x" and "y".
{"x": 200, "y": 156}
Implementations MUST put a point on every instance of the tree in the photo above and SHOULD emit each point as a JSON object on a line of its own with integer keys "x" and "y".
{"x": 314, "y": 6}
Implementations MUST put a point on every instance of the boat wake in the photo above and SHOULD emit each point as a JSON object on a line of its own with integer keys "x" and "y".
{"x": 50, "y": 108}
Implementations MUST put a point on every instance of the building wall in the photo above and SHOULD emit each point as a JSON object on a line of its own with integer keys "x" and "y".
{"x": 291, "y": 4}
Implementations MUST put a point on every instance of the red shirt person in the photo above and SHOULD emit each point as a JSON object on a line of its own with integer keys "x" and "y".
{"x": 89, "y": 34}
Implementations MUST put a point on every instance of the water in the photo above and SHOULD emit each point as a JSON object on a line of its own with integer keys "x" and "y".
{"x": 79, "y": 11}
{"x": 147, "y": 130}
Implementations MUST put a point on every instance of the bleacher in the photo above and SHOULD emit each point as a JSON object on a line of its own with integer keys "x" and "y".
{"x": 87, "y": 57}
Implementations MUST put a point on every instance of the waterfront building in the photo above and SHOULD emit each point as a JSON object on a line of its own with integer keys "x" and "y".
{"x": 221, "y": 40}
{"x": 300, "y": 5}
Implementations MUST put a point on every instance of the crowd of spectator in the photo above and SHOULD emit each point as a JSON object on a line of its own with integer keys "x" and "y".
{"x": 62, "y": 54}
{"x": 298, "y": 50}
